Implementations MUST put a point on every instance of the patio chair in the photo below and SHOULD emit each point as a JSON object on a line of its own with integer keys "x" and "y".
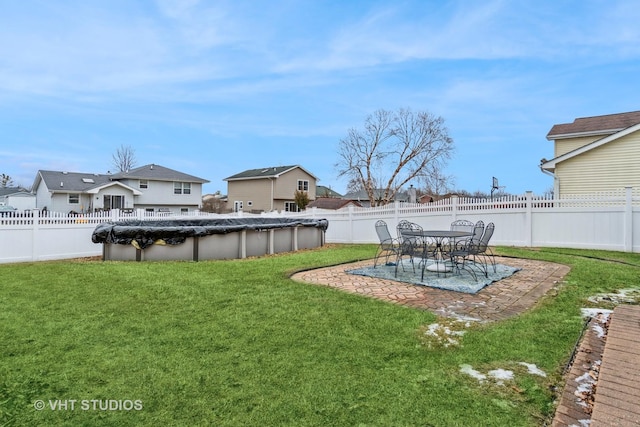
{"x": 409, "y": 245}
{"x": 483, "y": 250}
{"x": 388, "y": 245}
{"x": 462, "y": 255}
{"x": 415, "y": 246}
{"x": 461, "y": 225}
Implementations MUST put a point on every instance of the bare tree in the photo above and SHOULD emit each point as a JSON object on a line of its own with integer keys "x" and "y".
{"x": 124, "y": 159}
{"x": 392, "y": 149}
{"x": 6, "y": 181}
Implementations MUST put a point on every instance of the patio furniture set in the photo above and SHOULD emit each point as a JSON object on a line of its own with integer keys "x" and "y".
{"x": 464, "y": 247}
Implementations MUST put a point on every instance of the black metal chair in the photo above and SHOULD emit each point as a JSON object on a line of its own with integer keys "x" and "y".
{"x": 388, "y": 245}
{"x": 415, "y": 246}
{"x": 410, "y": 245}
{"x": 484, "y": 252}
{"x": 461, "y": 225}
{"x": 463, "y": 254}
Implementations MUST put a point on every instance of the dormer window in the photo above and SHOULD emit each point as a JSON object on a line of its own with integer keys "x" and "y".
{"x": 303, "y": 185}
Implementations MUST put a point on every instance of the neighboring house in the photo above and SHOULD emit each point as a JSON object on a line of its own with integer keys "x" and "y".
{"x": 323, "y": 191}
{"x": 332, "y": 203}
{"x": 17, "y": 197}
{"x": 163, "y": 189}
{"x": 361, "y": 196}
{"x": 269, "y": 189}
{"x": 151, "y": 187}
{"x": 430, "y": 198}
{"x": 595, "y": 154}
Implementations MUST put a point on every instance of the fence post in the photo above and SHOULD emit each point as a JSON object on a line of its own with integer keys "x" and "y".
{"x": 454, "y": 207}
{"x": 628, "y": 220}
{"x": 350, "y": 210}
{"x": 396, "y": 211}
{"x": 35, "y": 234}
{"x": 528, "y": 226}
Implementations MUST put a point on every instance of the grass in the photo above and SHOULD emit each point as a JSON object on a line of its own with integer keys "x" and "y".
{"x": 237, "y": 342}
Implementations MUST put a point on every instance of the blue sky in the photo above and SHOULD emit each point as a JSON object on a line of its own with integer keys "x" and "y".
{"x": 213, "y": 88}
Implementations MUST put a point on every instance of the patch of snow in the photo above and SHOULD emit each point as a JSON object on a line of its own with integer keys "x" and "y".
{"x": 595, "y": 312}
{"x": 533, "y": 369}
{"x": 501, "y": 375}
{"x": 599, "y": 330}
{"x": 623, "y": 296}
{"x": 468, "y": 369}
{"x": 444, "y": 334}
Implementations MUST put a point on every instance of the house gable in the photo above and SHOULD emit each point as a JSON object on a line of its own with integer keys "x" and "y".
{"x": 550, "y": 165}
{"x": 595, "y": 154}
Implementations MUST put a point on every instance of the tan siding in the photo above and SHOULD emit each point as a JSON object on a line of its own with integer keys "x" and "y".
{"x": 257, "y": 191}
{"x": 563, "y": 146}
{"x": 287, "y": 184}
{"x": 613, "y": 166}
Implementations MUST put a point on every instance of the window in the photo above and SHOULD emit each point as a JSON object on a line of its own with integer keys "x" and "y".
{"x": 184, "y": 210}
{"x": 303, "y": 185}
{"x": 74, "y": 199}
{"x": 144, "y": 183}
{"x": 113, "y": 202}
{"x": 291, "y": 207}
{"x": 181, "y": 188}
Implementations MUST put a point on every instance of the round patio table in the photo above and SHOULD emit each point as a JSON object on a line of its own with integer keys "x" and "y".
{"x": 438, "y": 237}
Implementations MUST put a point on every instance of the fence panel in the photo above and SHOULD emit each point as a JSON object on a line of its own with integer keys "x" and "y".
{"x": 608, "y": 221}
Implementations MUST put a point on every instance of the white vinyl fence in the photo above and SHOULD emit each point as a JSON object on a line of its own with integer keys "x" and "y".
{"x": 605, "y": 221}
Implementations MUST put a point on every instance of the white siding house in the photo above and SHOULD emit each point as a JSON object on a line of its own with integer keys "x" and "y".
{"x": 150, "y": 187}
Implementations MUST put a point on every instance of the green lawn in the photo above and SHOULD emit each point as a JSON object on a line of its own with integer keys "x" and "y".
{"x": 237, "y": 343}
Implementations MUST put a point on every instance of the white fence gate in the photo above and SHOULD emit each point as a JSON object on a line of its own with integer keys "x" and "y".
{"x": 604, "y": 221}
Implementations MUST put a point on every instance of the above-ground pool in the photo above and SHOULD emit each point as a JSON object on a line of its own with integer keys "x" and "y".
{"x": 203, "y": 239}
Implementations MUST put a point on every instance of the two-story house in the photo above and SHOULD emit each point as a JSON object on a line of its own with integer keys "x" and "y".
{"x": 268, "y": 189}
{"x": 595, "y": 154}
{"x": 151, "y": 187}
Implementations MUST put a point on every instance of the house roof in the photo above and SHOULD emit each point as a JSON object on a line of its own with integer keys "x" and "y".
{"x": 401, "y": 196}
{"x": 550, "y": 165}
{"x": 323, "y": 191}
{"x": 268, "y": 172}
{"x": 331, "y": 203}
{"x": 13, "y": 191}
{"x": 70, "y": 182}
{"x": 596, "y": 125}
{"x": 157, "y": 173}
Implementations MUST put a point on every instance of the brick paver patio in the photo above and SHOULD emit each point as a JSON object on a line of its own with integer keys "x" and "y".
{"x": 500, "y": 300}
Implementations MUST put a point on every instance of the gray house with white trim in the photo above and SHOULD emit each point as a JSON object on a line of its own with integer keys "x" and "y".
{"x": 153, "y": 188}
